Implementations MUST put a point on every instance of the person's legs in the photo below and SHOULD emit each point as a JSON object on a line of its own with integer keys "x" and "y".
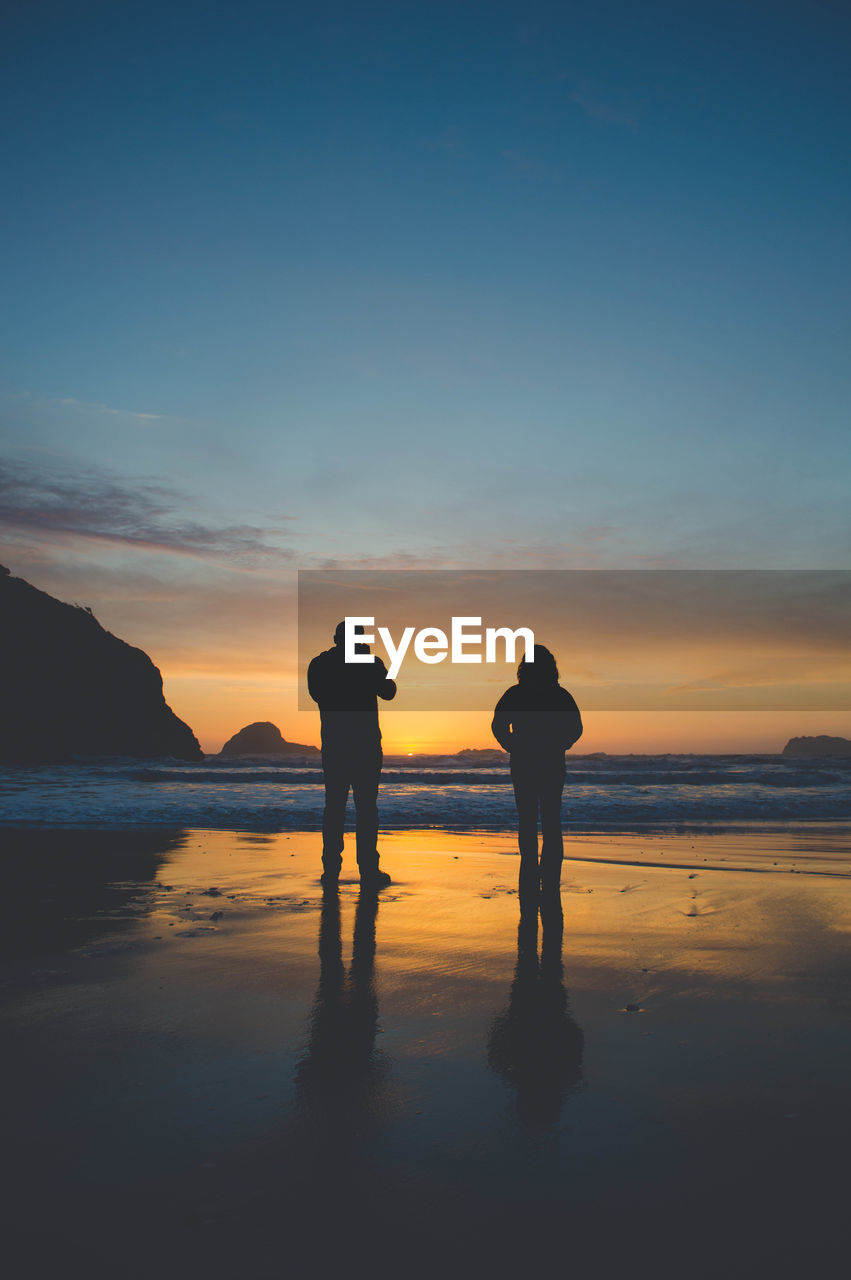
{"x": 526, "y": 799}
{"x": 365, "y": 779}
{"x": 552, "y": 842}
{"x": 334, "y": 816}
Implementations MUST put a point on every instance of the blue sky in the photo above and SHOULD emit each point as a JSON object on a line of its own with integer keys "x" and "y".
{"x": 439, "y": 284}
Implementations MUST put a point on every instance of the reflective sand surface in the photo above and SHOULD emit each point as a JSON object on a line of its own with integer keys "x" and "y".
{"x": 210, "y": 1069}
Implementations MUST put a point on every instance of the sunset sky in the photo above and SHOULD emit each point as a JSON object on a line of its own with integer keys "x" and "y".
{"x": 420, "y": 285}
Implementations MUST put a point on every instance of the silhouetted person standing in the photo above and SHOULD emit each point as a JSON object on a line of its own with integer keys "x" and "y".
{"x": 536, "y": 721}
{"x": 347, "y": 694}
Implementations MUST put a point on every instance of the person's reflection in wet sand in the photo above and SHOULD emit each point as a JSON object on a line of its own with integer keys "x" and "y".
{"x": 534, "y": 1044}
{"x": 341, "y": 1070}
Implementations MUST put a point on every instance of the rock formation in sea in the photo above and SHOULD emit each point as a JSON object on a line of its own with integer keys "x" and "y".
{"x": 70, "y": 688}
{"x": 264, "y": 739}
{"x": 821, "y": 745}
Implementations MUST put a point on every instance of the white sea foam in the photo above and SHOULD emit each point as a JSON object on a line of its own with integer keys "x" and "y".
{"x": 601, "y": 793}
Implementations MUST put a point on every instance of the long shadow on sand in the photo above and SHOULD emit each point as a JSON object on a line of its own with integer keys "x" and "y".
{"x": 534, "y": 1044}
{"x": 340, "y": 1072}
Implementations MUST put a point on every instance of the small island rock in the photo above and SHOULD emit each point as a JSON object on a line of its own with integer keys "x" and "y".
{"x": 821, "y": 745}
{"x": 264, "y": 739}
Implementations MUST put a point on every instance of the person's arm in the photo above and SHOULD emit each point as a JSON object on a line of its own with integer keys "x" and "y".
{"x": 313, "y": 679}
{"x": 572, "y": 721}
{"x": 501, "y": 724}
{"x": 385, "y": 687}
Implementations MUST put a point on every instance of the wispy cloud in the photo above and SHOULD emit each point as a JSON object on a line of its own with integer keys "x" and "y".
{"x": 449, "y": 142}
{"x": 587, "y": 547}
{"x": 71, "y": 402}
{"x": 602, "y": 106}
{"x": 21, "y": 395}
{"x": 530, "y": 166}
{"x": 66, "y": 503}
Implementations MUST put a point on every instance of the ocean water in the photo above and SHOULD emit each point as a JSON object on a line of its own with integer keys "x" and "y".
{"x": 602, "y": 793}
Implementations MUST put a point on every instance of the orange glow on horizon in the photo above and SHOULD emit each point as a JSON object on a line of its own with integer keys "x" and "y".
{"x": 216, "y": 707}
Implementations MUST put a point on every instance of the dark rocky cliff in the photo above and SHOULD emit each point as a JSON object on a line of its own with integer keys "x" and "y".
{"x": 264, "y": 739}
{"x": 70, "y": 688}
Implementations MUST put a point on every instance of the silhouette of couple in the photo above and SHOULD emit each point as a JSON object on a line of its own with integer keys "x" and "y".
{"x": 535, "y": 721}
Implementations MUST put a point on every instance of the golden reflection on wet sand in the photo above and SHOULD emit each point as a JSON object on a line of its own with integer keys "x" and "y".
{"x": 284, "y": 1076}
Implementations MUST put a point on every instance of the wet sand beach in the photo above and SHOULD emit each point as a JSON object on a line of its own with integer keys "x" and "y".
{"x": 211, "y": 1070}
